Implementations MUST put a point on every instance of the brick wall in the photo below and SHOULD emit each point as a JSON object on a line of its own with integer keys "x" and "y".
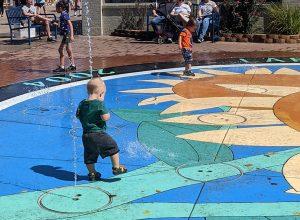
{"x": 94, "y": 14}
{"x": 111, "y": 16}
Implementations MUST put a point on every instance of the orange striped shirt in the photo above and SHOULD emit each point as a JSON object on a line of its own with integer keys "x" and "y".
{"x": 186, "y": 39}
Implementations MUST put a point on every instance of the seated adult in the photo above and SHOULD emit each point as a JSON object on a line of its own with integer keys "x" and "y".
{"x": 205, "y": 11}
{"x": 160, "y": 18}
{"x": 30, "y": 11}
{"x": 182, "y": 11}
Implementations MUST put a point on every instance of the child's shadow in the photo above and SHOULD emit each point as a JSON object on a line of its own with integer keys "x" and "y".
{"x": 64, "y": 175}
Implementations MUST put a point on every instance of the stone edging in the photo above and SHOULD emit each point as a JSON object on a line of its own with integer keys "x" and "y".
{"x": 255, "y": 38}
{"x": 261, "y": 38}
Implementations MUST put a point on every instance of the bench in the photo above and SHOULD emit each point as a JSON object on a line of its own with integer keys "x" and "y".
{"x": 17, "y": 21}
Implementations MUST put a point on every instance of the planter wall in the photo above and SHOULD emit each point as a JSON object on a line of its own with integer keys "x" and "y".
{"x": 255, "y": 38}
{"x": 261, "y": 38}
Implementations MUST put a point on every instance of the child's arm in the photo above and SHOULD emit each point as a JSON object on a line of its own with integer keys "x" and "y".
{"x": 71, "y": 30}
{"x": 180, "y": 42}
{"x": 105, "y": 117}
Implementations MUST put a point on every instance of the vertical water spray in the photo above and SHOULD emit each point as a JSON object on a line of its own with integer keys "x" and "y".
{"x": 88, "y": 22}
{"x": 73, "y": 135}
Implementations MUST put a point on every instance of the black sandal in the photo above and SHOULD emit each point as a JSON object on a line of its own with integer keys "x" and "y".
{"x": 94, "y": 176}
{"x": 120, "y": 170}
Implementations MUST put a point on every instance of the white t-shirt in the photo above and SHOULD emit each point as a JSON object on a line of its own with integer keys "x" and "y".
{"x": 31, "y": 9}
{"x": 207, "y": 7}
{"x": 182, "y": 9}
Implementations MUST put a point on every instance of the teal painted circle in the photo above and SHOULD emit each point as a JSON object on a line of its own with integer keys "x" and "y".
{"x": 206, "y": 173}
{"x": 75, "y": 200}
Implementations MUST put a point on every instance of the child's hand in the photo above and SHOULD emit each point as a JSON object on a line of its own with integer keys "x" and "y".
{"x": 72, "y": 38}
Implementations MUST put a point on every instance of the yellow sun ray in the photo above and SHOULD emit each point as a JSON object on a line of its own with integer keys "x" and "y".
{"x": 197, "y": 75}
{"x": 205, "y": 103}
{"x": 263, "y": 71}
{"x": 291, "y": 172}
{"x": 258, "y": 89}
{"x": 233, "y": 117}
{"x": 287, "y": 71}
{"x": 165, "y": 90}
{"x": 218, "y": 72}
{"x": 171, "y": 82}
{"x": 258, "y": 136}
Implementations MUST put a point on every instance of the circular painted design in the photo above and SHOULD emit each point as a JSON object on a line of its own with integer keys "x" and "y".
{"x": 206, "y": 173}
{"x": 222, "y": 119}
{"x": 287, "y": 110}
{"x": 75, "y": 200}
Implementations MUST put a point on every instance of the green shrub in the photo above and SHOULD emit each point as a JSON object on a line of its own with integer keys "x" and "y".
{"x": 239, "y": 16}
{"x": 282, "y": 19}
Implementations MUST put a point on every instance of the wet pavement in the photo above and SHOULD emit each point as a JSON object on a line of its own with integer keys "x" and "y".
{"x": 23, "y": 62}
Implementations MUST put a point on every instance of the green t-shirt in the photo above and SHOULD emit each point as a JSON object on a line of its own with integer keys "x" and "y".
{"x": 89, "y": 113}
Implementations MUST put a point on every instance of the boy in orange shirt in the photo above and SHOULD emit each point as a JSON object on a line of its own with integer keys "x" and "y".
{"x": 186, "y": 44}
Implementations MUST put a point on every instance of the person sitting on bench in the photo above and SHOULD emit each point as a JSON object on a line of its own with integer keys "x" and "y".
{"x": 205, "y": 11}
{"x": 30, "y": 11}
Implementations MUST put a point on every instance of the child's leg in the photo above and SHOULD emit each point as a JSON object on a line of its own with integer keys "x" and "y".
{"x": 91, "y": 168}
{"x": 115, "y": 160}
{"x": 61, "y": 55}
{"x": 117, "y": 168}
{"x": 188, "y": 66}
{"x": 70, "y": 54}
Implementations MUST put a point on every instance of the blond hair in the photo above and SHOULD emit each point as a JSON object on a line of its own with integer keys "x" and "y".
{"x": 95, "y": 86}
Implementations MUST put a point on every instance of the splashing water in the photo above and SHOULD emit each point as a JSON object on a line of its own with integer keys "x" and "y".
{"x": 135, "y": 150}
{"x": 88, "y": 21}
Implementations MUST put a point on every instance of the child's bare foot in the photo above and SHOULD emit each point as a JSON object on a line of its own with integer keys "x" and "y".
{"x": 94, "y": 176}
{"x": 119, "y": 170}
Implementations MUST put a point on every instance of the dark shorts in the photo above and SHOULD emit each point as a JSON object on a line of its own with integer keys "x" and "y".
{"x": 187, "y": 56}
{"x": 66, "y": 39}
{"x": 98, "y": 143}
